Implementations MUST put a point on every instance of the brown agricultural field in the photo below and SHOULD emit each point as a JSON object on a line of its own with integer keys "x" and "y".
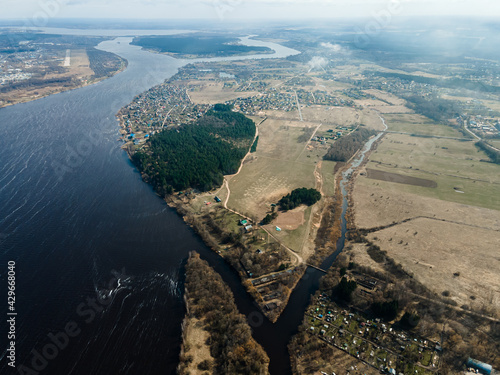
{"x": 454, "y": 260}
{"x": 273, "y": 170}
{"x": 214, "y": 92}
{"x": 442, "y": 239}
{"x": 456, "y": 166}
{"x": 386, "y": 97}
{"x": 414, "y": 123}
{"x": 398, "y": 178}
{"x": 434, "y": 206}
{"x": 281, "y": 163}
{"x": 377, "y": 206}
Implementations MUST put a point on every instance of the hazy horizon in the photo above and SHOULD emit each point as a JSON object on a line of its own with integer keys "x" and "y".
{"x": 233, "y": 10}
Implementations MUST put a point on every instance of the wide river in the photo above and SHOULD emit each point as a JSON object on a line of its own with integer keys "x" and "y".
{"x": 80, "y": 223}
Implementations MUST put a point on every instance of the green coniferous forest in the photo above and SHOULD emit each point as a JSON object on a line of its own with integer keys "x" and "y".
{"x": 299, "y": 196}
{"x": 197, "y": 155}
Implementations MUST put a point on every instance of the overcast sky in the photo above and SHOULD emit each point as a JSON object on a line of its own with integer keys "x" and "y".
{"x": 228, "y": 10}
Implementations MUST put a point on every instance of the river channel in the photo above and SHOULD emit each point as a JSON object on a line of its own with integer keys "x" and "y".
{"x": 80, "y": 223}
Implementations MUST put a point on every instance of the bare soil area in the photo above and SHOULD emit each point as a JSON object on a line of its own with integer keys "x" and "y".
{"x": 291, "y": 219}
{"x": 195, "y": 341}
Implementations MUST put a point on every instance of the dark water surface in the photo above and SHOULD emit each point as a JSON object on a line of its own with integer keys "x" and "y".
{"x": 80, "y": 224}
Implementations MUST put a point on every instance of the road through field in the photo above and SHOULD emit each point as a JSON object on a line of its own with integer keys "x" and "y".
{"x": 226, "y": 183}
{"x": 298, "y": 258}
{"x": 309, "y": 141}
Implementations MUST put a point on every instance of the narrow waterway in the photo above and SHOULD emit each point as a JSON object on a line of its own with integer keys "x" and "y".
{"x": 275, "y": 337}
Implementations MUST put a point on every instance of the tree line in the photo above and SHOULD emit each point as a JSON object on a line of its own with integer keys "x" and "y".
{"x": 344, "y": 148}
{"x": 435, "y": 108}
{"x": 299, "y": 196}
{"x": 492, "y": 154}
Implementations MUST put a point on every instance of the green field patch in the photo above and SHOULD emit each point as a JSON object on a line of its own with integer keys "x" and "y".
{"x": 399, "y": 179}
{"x": 229, "y": 221}
{"x": 417, "y": 124}
{"x": 454, "y": 165}
{"x": 452, "y": 189}
{"x": 426, "y": 358}
{"x": 327, "y": 168}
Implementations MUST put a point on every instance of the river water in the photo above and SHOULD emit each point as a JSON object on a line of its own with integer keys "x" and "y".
{"x": 80, "y": 223}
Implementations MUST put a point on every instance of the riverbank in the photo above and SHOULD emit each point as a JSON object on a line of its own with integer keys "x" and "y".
{"x": 205, "y": 56}
{"x": 289, "y": 152}
{"x": 90, "y": 225}
{"x": 268, "y": 269}
{"x": 208, "y": 227}
{"x": 26, "y": 96}
{"x": 87, "y": 67}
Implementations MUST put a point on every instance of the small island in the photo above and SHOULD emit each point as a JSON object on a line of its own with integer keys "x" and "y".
{"x": 194, "y": 46}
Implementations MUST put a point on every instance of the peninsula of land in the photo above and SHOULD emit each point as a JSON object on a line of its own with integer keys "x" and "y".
{"x": 35, "y": 65}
